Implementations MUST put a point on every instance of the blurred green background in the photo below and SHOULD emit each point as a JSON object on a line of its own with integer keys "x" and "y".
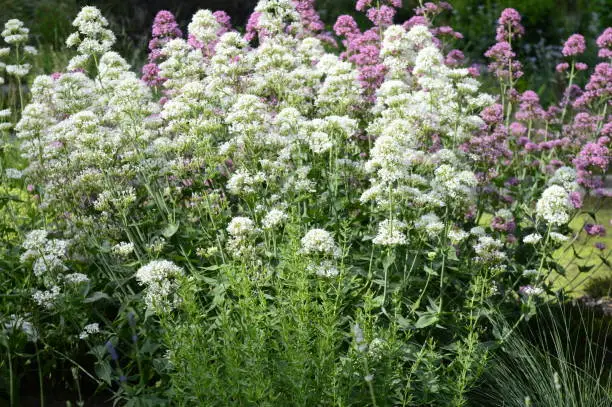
{"x": 548, "y": 24}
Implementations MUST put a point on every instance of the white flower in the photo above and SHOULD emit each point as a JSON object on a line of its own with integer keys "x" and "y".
{"x": 457, "y": 236}
{"x": 156, "y": 271}
{"x": 13, "y": 173}
{"x": 390, "y": 232}
{"x": 273, "y": 219}
{"x": 240, "y": 226}
{"x": 324, "y": 269}
{"x": 431, "y": 224}
{"x": 319, "y": 241}
{"x": 558, "y": 237}
{"x": 123, "y": 249}
{"x": 488, "y": 249}
{"x": 554, "y": 206}
{"x": 89, "y": 329}
{"x": 565, "y": 177}
{"x": 46, "y": 298}
{"x": 76, "y": 278}
{"x": 15, "y": 32}
{"x": 532, "y": 238}
{"x": 159, "y": 278}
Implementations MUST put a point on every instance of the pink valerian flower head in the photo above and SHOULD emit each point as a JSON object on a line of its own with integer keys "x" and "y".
{"x": 432, "y": 9}
{"x": 165, "y": 25}
{"x": 488, "y": 147}
{"x": 604, "y": 42}
{"x": 509, "y": 25}
{"x": 454, "y": 58}
{"x": 598, "y": 87}
{"x": 517, "y": 130}
{"x": 600, "y": 245}
{"x": 502, "y": 224}
{"x": 362, "y": 4}
{"x": 575, "y": 45}
{"x": 381, "y": 16}
{"x": 346, "y": 26}
{"x": 493, "y": 114}
{"x": 593, "y": 159}
{"x": 311, "y": 21}
{"x": 224, "y": 20}
{"x": 165, "y": 28}
{"x": 575, "y": 199}
{"x": 581, "y": 66}
{"x": 562, "y": 67}
{"x": 56, "y": 75}
{"x": 150, "y": 75}
{"x": 595, "y": 230}
{"x": 530, "y": 108}
{"x": 252, "y": 26}
{"x": 415, "y": 20}
{"x": 448, "y": 31}
{"x": 504, "y": 66}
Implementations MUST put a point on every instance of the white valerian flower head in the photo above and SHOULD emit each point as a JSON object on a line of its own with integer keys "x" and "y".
{"x": 203, "y": 27}
{"x": 240, "y": 226}
{"x": 159, "y": 278}
{"x": 76, "y": 278}
{"x": 89, "y": 329}
{"x": 565, "y": 177}
{"x": 390, "y": 233}
{"x": 457, "y": 236}
{"x": 488, "y": 250}
{"x": 15, "y": 32}
{"x": 431, "y": 224}
{"x": 324, "y": 268}
{"x": 123, "y": 249}
{"x": 558, "y": 237}
{"x": 319, "y": 241}
{"x": 554, "y": 205}
{"x": 532, "y": 238}
{"x": 48, "y": 298}
{"x": 274, "y": 218}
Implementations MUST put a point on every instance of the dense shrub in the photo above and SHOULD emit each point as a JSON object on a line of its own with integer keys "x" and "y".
{"x": 288, "y": 217}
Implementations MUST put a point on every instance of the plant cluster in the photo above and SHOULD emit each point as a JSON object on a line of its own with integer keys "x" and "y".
{"x": 264, "y": 218}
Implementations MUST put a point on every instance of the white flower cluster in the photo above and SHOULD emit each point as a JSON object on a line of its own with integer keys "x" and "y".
{"x": 159, "y": 279}
{"x": 92, "y": 38}
{"x": 319, "y": 242}
{"x": 554, "y": 205}
{"x": 390, "y": 233}
{"x": 47, "y": 255}
{"x": 15, "y": 32}
{"x": 89, "y": 329}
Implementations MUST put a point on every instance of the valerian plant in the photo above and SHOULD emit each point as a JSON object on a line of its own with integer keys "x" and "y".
{"x": 260, "y": 220}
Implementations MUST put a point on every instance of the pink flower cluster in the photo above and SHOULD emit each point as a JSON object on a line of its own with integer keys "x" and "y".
{"x": 508, "y": 28}
{"x": 575, "y": 45}
{"x": 604, "y": 42}
{"x": 165, "y": 28}
{"x": 593, "y": 159}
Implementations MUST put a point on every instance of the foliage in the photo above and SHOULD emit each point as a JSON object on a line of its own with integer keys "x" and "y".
{"x": 260, "y": 220}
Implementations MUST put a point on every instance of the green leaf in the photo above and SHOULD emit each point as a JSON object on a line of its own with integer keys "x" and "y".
{"x": 97, "y": 296}
{"x": 170, "y": 230}
{"x": 426, "y": 319}
{"x": 585, "y": 269}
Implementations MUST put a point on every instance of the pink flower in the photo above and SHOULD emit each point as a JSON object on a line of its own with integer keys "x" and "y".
{"x": 595, "y": 230}
{"x": 382, "y": 16}
{"x": 576, "y": 199}
{"x": 509, "y": 25}
{"x": 575, "y": 45}
{"x": 562, "y": 67}
{"x": 604, "y": 42}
